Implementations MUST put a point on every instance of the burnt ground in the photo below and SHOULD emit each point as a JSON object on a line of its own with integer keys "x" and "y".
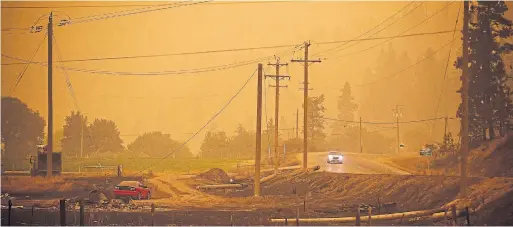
{"x": 327, "y": 195}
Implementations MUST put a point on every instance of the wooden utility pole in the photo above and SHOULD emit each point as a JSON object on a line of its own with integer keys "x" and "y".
{"x": 277, "y": 77}
{"x": 397, "y": 114}
{"x": 445, "y": 134}
{"x": 464, "y": 102}
{"x": 297, "y": 123}
{"x": 258, "y": 149}
{"x": 361, "y": 148}
{"x": 49, "y": 147}
{"x": 305, "y": 62}
{"x": 82, "y": 137}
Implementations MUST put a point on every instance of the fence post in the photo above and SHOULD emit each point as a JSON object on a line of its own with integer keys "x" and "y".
{"x": 81, "y": 217}
{"x": 454, "y": 216}
{"x": 9, "y": 213}
{"x": 370, "y": 216}
{"x": 297, "y": 217}
{"x": 468, "y": 216}
{"x": 401, "y": 220}
{"x": 119, "y": 171}
{"x": 32, "y": 215}
{"x": 445, "y": 216}
{"x": 304, "y": 204}
{"x": 358, "y": 216}
{"x": 379, "y": 206}
{"x": 153, "y": 214}
{"x": 286, "y": 221}
{"x": 231, "y": 219}
{"x": 63, "y": 212}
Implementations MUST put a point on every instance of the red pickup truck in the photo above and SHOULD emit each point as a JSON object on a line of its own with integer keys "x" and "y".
{"x": 131, "y": 189}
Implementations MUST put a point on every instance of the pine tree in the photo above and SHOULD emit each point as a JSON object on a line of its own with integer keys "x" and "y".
{"x": 343, "y": 136}
{"x": 315, "y": 121}
{"x": 489, "y": 95}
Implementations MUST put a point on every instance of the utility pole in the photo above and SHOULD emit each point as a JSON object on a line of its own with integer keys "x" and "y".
{"x": 305, "y": 62}
{"x": 258, "y": 149}
{"x": 445, "y": 133}
{"x": 361, "y": 148}
{"x": 397, "y": 114}
{"x": 277, "y": 77}
{"x": 82, "y": 137}
{"x": 464, "y": 102}
{"x": 297, "y": 123}
{"x": 49, "y": 148}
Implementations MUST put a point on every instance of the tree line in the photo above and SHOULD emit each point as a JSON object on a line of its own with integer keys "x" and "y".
{"x": 23, "y": 129}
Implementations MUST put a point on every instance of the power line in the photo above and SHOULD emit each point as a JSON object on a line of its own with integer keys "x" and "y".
{"x": 131, "y": 5}
{"x": 165, "y": 55}
{"x": 137, "y": 12}
{"x": 126, "y": 13}
{"x": 445, "y": 73}
{"x": 386, "y": 123}
{"x": 18, "y": 79}
{"x": 316, "y": 54}
{"x": 388, "y": 37}
{"x": 68, "y": 80}
{"x": 382, "y": 130}
{"x": 407, "y": 68}
{"x": 130, "y": 10}
{"x": 447, "y": 63}
{"x": 407, "y": 30}
{"x": 235, "y": 49}
{"x": 206, "y": 124}
{"x": 190, "y": 71}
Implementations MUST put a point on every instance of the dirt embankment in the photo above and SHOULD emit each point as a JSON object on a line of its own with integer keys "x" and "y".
{"x": 492, "y": 159}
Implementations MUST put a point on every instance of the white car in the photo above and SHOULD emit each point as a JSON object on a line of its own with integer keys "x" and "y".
{"x": 335, "y": 157}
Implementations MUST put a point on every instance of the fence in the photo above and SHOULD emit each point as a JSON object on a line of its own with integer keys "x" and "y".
{"x": 97, "y": 218}
{"x": 440, "y": 213}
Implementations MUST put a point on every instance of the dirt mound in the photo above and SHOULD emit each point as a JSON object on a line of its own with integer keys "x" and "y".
{"x": 216, "y": 175}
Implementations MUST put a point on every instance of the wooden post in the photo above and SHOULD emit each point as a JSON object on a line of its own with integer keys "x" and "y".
{"x": 454, "y": 216}
{"x": 445, "y": 216}
{"x": 297, "y": 217}
{"x": 32, "y": 215}
{"x": 81, "y": 218}
{"x": 63, "y": 212}
{"x": 358, "y": 216}
{"x": 468, "y": 216}
{"x": 464, "y": 145}
{"x": 258, "y": 148}
{"x": 9, "y": 213}
{"x": 379, "y": 206}
{"x": 153, "y": 214}
{"x": 304, "y": 204}
{"x": 370, "y": 216}
{"x": 286, "y": 221}
{"x": 401, "y": 221}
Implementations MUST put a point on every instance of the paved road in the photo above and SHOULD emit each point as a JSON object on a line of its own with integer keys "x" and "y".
{"x": 353, "y": 163}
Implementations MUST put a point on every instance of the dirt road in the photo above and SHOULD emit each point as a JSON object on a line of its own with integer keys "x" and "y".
{"x": 353, "y": 163}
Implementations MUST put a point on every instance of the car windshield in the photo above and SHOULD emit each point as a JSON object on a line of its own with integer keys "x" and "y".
{"x": 129, "y": 183}
{"x": 335, "y": 153}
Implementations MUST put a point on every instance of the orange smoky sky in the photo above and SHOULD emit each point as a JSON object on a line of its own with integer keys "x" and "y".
{"x": 180, "y": 104}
